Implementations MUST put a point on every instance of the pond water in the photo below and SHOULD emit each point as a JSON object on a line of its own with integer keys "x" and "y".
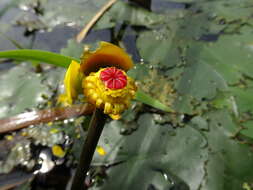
{"x": 194, "y": 56}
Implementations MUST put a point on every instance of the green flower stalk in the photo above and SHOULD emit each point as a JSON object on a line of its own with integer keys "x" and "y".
{"x": 101, "y": 78}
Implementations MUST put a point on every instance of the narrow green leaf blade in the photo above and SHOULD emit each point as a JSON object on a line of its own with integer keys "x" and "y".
{"x": 38, "y": 55}
{"x": 146, "y": 99}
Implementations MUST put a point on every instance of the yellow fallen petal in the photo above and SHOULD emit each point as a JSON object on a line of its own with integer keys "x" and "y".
{"x": 58, "y": 151}
{"x": 9, "y": 137}
{"x": 24, "y": 133}
{"x": 54, "y": 130}
{"x": 101, "y": 151}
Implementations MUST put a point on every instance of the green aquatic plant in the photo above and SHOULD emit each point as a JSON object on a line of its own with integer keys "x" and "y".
{"x": 64, "y": 61}
{"x": 101, "y": 76}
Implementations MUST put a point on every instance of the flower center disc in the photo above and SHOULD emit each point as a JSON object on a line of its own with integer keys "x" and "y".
{"x": 113, "y": 78}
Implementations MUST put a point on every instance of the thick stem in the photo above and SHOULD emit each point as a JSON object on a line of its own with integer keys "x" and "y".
{"x": 95, "y": 129}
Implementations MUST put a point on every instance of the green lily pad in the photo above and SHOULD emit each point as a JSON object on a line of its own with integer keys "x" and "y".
{"x": 151, "y": 150}
{"x": 225, "y": 168}
{"x": 78, "y": 12}
{"x": 73, "y": 49}
{"x": 21, "y": 89}
{"x": 230, "y": 56}
{"x": 201, "y": 81}
{"x": 232, "y": 10}
{"x": 134, "y": 15}
{"x": 243, "y": 98}
{"x": 149, "y": 157}
{"x": 166, "y": 55}
{"x": 248, "y": 129}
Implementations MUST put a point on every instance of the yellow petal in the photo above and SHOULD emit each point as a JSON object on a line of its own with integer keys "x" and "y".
{"x": 72, "y": 83}
{"x": 107, "y": 55}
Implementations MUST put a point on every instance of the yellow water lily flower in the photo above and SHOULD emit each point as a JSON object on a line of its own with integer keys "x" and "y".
{"x": 101, "y": 77}
{"x": 109, "y": 89}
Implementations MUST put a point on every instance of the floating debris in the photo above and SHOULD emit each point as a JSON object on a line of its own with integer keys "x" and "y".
{"x": 45, "y": 135}
{"x": 46, "y": 162}
{"x": 20, "y": 154}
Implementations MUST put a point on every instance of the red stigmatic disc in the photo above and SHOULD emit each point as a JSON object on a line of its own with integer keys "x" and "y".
{"x": 113, "y": 78}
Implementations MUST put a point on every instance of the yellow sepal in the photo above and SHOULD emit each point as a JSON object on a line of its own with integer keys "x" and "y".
{"x": 106, "y": 55}
{"x": 72, "y": 83}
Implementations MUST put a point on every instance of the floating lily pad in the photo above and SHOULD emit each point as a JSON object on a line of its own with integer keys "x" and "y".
{"x": 166, "y": 55}
{"x": 149, "y": 152}
{"x": 149, "y": 157}
{"x": 21, "y": 89}
{"x": 73, "y": 49}
{"x": 125, "y": 12}
{"x": 225, "y": 168}
{"x": 232, "y": 10}
{"x": 78, "y": 12}
{"x": 201, "y": 81}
